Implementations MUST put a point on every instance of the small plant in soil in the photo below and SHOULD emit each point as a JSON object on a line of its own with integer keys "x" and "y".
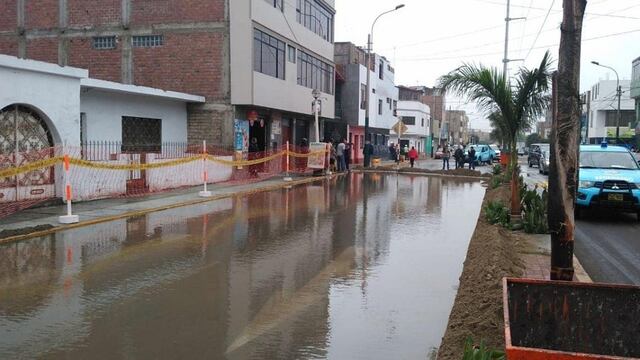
{"x": 480, "y": 352}
{"x": 497, "y": 213}
{"x": 497, "y": 169}
{"x": 534, "y": 206}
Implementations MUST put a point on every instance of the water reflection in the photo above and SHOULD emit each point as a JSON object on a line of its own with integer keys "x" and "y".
{"x": 356, "y": 267}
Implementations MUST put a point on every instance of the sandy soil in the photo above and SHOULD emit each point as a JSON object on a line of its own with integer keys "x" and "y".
{"x": 477, "y": 312}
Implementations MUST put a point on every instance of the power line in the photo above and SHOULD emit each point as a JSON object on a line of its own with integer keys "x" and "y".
{"x": 537, "y": 47}
{"x": 540, "y": 31}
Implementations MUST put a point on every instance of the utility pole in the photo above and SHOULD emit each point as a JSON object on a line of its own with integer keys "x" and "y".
{"x": 506, "y": 59}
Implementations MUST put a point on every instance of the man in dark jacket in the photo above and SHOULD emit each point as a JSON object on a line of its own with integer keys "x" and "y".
{"x": 459, "y": 156}
{"x": 367, "y": 151}
{"x": 472, "y": 158}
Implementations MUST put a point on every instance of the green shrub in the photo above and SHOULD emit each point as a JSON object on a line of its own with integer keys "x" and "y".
{"x": 497, "y": 213}
{"x": 497, "y": 169}
{"x": 474, "y": 352}
{"x": 534, "y": 206}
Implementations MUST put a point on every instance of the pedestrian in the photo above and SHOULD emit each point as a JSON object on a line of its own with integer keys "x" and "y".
{"x": 367, "y": 151}
{"x": 340, "y": 150}
{"x": 392, "y": 152}
{"x": 398, "y": 153}
{"x": 253, "y": 155}
{"x": 472, "y": 158}
{"x": 347, "y": 155}
{"x": 459, "y": 156}
{"x": 446, "y": 153}
{"x": 413, "y": 155}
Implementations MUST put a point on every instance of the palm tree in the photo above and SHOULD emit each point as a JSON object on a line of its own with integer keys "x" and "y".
{"x": 513, "y": 106}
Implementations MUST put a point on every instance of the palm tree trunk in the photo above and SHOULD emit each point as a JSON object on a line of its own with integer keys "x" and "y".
{"x": 515, "y": 176}
{"x": 564, "y": 146}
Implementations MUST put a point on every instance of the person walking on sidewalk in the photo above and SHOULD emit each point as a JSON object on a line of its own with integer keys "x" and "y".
{"x": 446, "y": 153}
{"x": 413, "y": 155}
{"x": 472, "y": 158}
{"x": 459, "y": 157}
{"x": 340, "y": 156}
{"x": 367, "y": 151}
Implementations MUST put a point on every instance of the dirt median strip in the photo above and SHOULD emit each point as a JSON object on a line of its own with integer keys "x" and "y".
{"x": 477, "y": 313}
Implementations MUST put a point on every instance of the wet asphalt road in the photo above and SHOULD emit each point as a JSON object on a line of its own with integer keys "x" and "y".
{"x": 607, "y": 243}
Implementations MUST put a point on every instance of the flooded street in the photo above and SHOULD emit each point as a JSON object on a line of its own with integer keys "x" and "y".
{"x": 360, "y": 267}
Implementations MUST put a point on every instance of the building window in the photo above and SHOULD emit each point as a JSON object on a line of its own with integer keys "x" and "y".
{"x": 315, "y": 17}
{"x": 278, "y": 4}
{"x": 409, "y": 120}
{"x": 148, "y": 41}
{"x": 314, "y": 73}
{"x": 389, "y": 103}
{"x": 141, "y": 134}
{"x": 381, "y": 70}
{"x": 395, "y": 104}
{"x": 292, "y": 54}
{"x": 422, "y": 122}
{"x": 104, "y": 42}
{"x": 363, "y": 96}
{"x": 268, "y": 54}
{"x": 626, "y": 118}
{"x": 380, "y": 107}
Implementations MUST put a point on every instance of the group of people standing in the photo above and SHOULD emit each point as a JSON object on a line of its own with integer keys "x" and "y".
{"x": 341, "y": 155}
{"x": 458, "y": 156}
{"x": 396, "y": 154}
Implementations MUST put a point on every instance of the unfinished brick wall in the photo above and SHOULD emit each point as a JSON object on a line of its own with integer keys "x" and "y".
{"x": 176, "y": 11}
{"x": 8, "y": 46}
{"x": 94, "y": 13}
{"x": 207, "y": 124}
{"x": 102, "y": 64}
{"x": 191, "y": 63}
{"x": 43, "y": 49}
{"x": 41, "y": 14}
{"x": 9, "y": 15}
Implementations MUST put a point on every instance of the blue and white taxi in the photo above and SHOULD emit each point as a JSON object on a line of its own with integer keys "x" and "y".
{"x": 609, "y": 177}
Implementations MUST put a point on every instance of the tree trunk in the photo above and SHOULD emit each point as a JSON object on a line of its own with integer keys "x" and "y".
{"x": 564, "y": 146}
{"x": 516, "y": 212}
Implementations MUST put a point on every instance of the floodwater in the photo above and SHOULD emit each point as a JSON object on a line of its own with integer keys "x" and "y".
{"x": 361, "y": 267}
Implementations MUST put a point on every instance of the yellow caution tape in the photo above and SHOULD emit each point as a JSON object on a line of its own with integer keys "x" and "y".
{"x": 10, "y": 172}
{"x": 132, "y": 167}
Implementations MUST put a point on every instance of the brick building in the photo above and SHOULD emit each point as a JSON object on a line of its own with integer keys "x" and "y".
{"x": 255, "y": 61}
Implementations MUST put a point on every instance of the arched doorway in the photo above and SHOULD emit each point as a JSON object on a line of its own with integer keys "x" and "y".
{"x": 25, "y": 138}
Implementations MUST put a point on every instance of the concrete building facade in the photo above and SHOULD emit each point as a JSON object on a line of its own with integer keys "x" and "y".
{"x": 415, "y": 115}
{"x": 458, "y": 127}
{"x": 603, "y": 107}
{"x": 351, "y": 63}
{"x": 635, "y": 94}
{"x": 255, "y": 61}
{"x": 435, "y": 98}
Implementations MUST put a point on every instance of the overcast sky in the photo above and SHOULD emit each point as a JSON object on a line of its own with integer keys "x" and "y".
{"x": 428, "y": 38}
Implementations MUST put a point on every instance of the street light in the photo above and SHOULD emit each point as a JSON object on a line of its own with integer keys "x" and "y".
{"x": 368, "y": 96}
{"x": 619, "y": 91}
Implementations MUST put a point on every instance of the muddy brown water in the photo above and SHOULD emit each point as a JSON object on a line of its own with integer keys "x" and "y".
{"x": 360, "y": 267}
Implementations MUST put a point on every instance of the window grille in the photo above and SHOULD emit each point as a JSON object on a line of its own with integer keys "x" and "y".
{"x": 148, "y": 41}
{"x": 104, "y": 42}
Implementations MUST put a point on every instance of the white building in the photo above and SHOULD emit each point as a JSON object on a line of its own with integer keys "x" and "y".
{"x": 602, "y": 113}
{"x": 279, "y": 52}
{"x": 415, "y": 115}
{"x": 47, "y": 110}
{"x": 383, "y": 96}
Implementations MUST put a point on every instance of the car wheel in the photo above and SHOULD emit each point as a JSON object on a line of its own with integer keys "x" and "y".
{"x": 540, "y": 171}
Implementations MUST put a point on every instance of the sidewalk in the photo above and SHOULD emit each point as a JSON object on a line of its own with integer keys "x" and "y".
{"x": 36, "y": 221}
{"x": 537, "y": 259}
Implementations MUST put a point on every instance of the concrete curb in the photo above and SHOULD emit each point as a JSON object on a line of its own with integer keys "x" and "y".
{"x": 393, "y": 171}
{"x": 196, "y": 201}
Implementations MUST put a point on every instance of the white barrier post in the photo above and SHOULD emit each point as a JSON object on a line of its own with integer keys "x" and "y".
{"x": 327, "y": 158}
{"x": 286, "y": 175}
{"x": 69, "y": 218}
{"x": 205, "y": 192}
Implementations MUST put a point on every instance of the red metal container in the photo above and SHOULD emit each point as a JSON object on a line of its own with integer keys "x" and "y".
{"x": 567, "y": 320}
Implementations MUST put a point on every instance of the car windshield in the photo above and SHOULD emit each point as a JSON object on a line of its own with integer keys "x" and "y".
{"x": 495, "y": 148}
{"x": 607, "y": 160}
